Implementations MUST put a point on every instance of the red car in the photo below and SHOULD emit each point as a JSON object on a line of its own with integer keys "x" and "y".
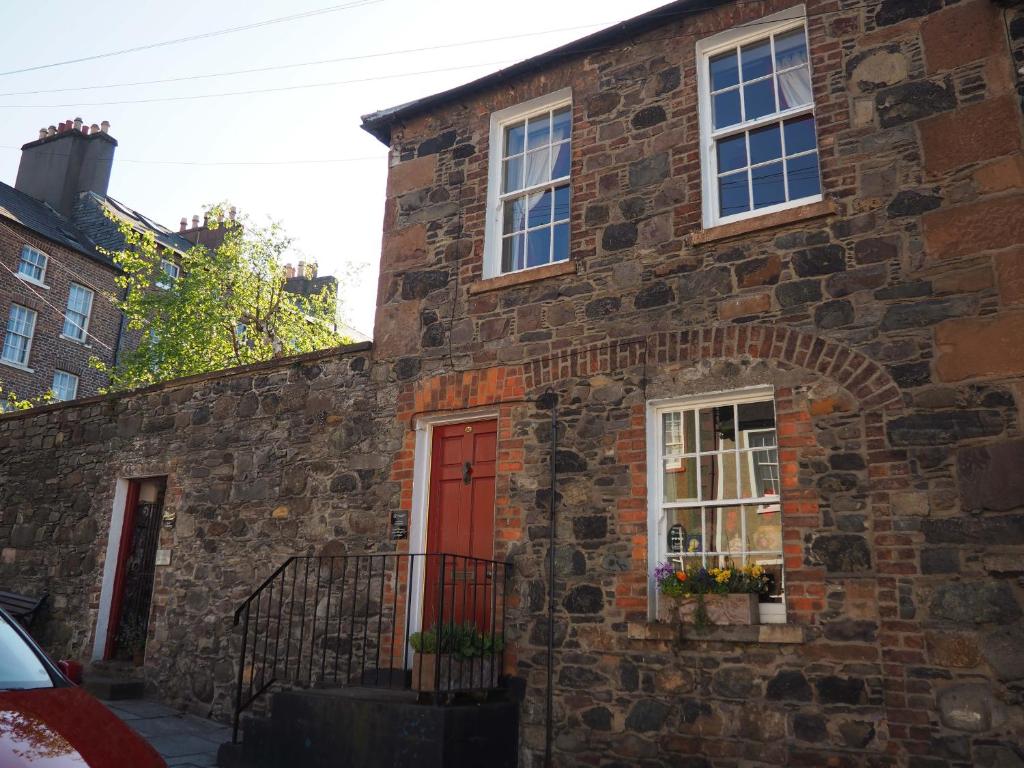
{"x": 46, "y": 721}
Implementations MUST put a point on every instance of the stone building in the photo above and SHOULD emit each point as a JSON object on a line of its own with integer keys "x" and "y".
{"x": 728, "y": 280}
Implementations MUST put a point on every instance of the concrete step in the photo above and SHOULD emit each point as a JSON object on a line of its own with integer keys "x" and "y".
{"x": 114, "y": 688}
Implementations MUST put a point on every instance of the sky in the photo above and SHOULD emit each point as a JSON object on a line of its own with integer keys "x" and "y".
{"x": 296, "y": 156}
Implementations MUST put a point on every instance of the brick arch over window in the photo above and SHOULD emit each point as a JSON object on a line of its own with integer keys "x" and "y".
{"x": 867, "y": 381}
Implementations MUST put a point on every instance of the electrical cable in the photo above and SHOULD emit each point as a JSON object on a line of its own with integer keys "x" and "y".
{"x": 201, "y": 36}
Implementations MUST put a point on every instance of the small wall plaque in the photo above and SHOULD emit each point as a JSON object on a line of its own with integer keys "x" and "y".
{"x": 399, "y": 525}
{"x": 399, "y": 532}
{"x": 163, "y": 557}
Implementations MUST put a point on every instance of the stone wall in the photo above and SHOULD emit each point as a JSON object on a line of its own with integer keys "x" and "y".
{"x": 889, "y": 320}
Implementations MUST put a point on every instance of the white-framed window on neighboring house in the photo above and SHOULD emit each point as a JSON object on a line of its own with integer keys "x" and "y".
{"x": 713, "y": 485}
{"x": 528, "y": 185}
{"x": 21, "y": 327}
{"x": 170, "y": 272}
{"x": 76, "y": 318}
{"x": 759, "y": 149}
{"x": 65, "y": 385}
{"x": 32, "y": 265}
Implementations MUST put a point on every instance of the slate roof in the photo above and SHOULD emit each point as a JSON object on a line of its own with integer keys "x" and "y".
{"x": 88, "y": 229}
{"x": 379, "y": 124}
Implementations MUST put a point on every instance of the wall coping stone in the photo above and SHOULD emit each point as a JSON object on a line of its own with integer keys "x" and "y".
{"x": 557, "y": 269}
{"x": 659, "y": 631}
{"x": 768, "y": 221}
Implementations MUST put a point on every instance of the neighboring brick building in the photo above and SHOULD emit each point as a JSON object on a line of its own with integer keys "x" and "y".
{"x": 802, "y": 347}
{"x": 56, "y": 279}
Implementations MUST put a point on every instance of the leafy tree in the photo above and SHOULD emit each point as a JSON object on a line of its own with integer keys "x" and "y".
{"x": 9, "y": 400}
{"x": 227, "y": 307}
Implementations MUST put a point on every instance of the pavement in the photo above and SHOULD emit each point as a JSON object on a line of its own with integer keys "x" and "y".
{"x": 184, "y": 741}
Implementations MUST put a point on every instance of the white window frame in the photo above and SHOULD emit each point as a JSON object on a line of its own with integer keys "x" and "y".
{"x": 493, "y": 224}
{"x": 28, "y": 345}
{"x": 41, "y": 281}
{"x": 73, "y": 379}
{"x": 774, "y": 24}
{"x": 84, "y": 326}
{"x": 171, "y": 273}
{"x": 657, "y": 529}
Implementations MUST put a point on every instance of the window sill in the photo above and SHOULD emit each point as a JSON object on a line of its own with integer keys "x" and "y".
{"x": 79, "y": 342}
{"x": 768, "y": 221}
{"x": 17, "y": 366}
{"x": 659, "y": 631}
{"x": 567, "y": 267}
{"x": 30, "y": 281}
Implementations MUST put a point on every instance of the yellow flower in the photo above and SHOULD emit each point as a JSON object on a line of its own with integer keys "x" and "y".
{"x": 757, "y": 571}
{"x": 723, "y": 576}
{"x": 713, "y": 571}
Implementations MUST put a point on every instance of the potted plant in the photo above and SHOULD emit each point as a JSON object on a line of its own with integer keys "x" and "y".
{"x": 709, "y": 596}
{"x": 452, "y": 645}
{"x": 131, "y": 640}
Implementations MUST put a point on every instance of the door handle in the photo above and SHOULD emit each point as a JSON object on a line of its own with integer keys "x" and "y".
{"x": 467, "y": 472}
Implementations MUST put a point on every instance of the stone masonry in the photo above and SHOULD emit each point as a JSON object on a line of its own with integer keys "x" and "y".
{"x": 889, "y": 319}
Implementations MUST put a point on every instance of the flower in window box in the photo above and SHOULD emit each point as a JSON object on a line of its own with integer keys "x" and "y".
{"x": 709, "y": 596}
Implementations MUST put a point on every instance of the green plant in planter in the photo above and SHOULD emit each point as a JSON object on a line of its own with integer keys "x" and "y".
{"x": 697, "y": 581}
{"x": 461, "y": 640}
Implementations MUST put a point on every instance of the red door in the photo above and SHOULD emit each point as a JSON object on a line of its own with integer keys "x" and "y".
{"x": 460, "y": 522}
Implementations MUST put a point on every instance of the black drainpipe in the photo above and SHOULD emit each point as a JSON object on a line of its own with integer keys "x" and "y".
{"x": 552, "y": 400}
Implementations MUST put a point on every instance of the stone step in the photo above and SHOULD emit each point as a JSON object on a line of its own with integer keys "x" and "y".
{"x": 115, "y": 688}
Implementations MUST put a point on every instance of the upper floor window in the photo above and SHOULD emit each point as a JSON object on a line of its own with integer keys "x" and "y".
{"x": 21, "y": 326}
{"x": 714, "y": 487}
{"x": 759, "y": 150}
{"x": 170, "y": 272}
{"x": 32, "y": 264}
{"x": 528, "y": 185}
{"x": 76, "y": 319}
{"x": 65, "y": 385}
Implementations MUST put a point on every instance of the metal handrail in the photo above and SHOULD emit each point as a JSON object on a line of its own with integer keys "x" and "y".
{"x": 345, "y": 620}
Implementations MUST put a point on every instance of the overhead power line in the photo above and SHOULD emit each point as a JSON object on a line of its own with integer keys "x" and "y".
{"x": 308, "y": 161}
{"x": 200, "y": 36}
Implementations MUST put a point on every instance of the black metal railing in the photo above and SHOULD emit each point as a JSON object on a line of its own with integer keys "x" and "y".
{"x": 345, "y": 620}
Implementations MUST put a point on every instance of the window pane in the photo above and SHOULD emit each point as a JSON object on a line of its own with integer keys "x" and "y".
{"x": 764, "y": 528}
{"x": 733, "y": 194}
{"x": 538, "y": 167}
{"x": 795, "y": 88}
{"x": 727, "y": 108}
{"x": 800, "y": 134}
{"x": 561, "y": 153}
{"x": 756, "y": 59}
{"x": 538, "y": 247}
{"x": 680, "y": 479}
{"x": 717, "y": 431}
{"x": 677, "y": 433}
{"x": 515, "y": 216}
{"x": 718, "y": 476}
{"x": 514, "y": 138}
{"x": 755, "y": 416}
{"x": 758, "y": 99}
{"x": 513, "y": 174}
{"x": 768, "y": 186}
{"x": 540, "y": 210}
{"x": 561, "y": 244}
{"x": 683, "y": 534}
{"x": 732, "y": 153}
{"x": 513, "y": 250}
{"x": 538, "y": 131}
{"x": 803, "y": 176}
{"x": 724, "y": 71}
{"x": 562, "y": 203}
{"x": 790, "y": 49}
{"x": 765, "y": 144}
{"x": 561, "y": 123}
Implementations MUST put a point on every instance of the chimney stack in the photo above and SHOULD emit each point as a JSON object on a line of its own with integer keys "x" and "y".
{"x": 183, "y": 224}
{"x": 289, "y": 270}
{"x": 195, "y": 221}
{"x": 312, "y": 270}
{"x": 232, "y": 213}
{"x": 65, "y": 161}
{"x": 301, "y": 269}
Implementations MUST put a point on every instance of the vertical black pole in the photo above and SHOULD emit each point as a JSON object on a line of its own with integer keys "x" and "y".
{"x": 553, "y": 522}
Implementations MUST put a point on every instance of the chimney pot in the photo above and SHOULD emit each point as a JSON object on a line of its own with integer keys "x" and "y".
{"x": 195, "y": 221}
{"x": 78, "y": 123}
{"x": 312, "y": 270}
{"x": 94, "y": 128}
{"x": 51, "y": 131}
{"x": 232, "y": 212}
{"x": 105, "y": 126}
{"x": 183, "y": 224}
{"x": 42, "y": 133}
{"x": 289, "y": 270}
{"x": 301, "y": 270}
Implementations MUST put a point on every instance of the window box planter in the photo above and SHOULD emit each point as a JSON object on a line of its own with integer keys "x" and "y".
{"x": 737, "y": 609}
{"x": 457, "y": 673}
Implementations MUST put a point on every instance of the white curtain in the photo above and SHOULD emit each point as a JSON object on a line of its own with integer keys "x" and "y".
{"x": 795, "y": 85}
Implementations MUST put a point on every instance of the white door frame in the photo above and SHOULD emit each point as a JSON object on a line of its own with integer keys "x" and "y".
{"x": 117, "y": 512}
{"x": 421, "y": 497}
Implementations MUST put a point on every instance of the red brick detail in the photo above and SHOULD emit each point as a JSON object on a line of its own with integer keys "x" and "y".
{"x": 950, "y": 140}
{"x": 961, "y": 34}
{"x": 967, "y": 230}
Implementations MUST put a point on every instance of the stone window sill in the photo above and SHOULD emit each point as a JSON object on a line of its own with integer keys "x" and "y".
{"x": 19, "y": 366}
{"x": 525, "y": 276}
{"x": 659, "y": 631}
{"x": 768, "y": 221}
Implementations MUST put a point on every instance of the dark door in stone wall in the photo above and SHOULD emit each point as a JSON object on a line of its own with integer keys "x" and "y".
{"x": 460, "y": 521}
{"x": 136, "y": 570}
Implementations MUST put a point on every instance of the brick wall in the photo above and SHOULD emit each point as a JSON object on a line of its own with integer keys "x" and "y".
{"x": 887, "y": 319}
{"x": 49, "y": 351}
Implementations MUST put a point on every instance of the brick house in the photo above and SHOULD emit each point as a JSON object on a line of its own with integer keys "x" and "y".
{"x": 53, "y": 224}
{"x": 729, "y": 281}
